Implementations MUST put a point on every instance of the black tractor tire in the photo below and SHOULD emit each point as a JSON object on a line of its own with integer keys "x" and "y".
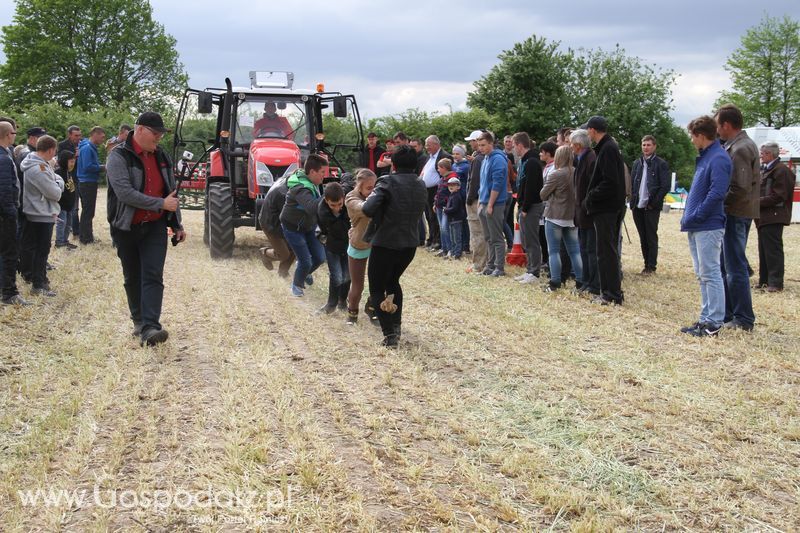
{"x": 205, "y": 222}
{"x": 220, "y": 221}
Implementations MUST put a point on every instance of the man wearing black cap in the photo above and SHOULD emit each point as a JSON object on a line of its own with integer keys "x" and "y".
{"x": 33, "y": 136}
{"x": 142, "y": 202}
{"x": 605, "y": 203}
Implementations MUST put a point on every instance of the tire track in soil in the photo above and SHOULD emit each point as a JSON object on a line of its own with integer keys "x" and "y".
{"x": 191, "y": 393}
{"x": 324, "y": 371}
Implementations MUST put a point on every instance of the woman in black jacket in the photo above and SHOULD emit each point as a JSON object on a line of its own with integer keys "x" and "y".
{"x": 395, "y": 206}
{"x": 66, "y": 163}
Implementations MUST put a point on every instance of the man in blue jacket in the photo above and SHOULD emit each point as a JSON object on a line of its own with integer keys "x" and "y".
{"x": 492, "y": 196}
{"x": 88, "y": 172}
{"x": 704, "y": 221}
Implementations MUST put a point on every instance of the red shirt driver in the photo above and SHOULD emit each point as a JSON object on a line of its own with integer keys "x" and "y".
{"x": 272, "y": 123}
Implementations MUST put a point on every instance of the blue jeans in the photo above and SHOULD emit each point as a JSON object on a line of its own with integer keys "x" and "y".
{"x": 738, "y": 300}
{"x": 309, "y": 252}
{"x": 441, "y": 217}
{"x": 705, "y": 247}
{"x": 63, "y": 227}
{"x": 456, "y": 228}
{"x": 338, "y": 268}
{"x": 555, "y": 234}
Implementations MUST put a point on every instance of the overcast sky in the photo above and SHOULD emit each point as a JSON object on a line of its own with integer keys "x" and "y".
{"x": 394, "y": 55}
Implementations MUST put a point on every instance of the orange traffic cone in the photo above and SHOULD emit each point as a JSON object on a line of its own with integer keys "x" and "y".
{"x": 516, "y": 256}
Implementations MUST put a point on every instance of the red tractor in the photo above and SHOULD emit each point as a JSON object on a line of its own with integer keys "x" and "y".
{"x": 250, "y": 137}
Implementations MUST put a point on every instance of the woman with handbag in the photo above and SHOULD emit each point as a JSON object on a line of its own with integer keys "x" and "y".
{"x": 395, "y": 206}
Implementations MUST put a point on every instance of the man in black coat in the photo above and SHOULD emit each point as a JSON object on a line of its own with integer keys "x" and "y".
{"x": 650, "y": 183}
{"x": 605, "y": 202}
{"x": 584, "y": 168}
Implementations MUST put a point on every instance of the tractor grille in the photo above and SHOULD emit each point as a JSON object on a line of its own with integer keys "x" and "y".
{"x": 277, "y": 171}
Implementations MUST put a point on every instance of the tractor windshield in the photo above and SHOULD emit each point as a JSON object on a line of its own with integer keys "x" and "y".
{"x": 265, "y": 117}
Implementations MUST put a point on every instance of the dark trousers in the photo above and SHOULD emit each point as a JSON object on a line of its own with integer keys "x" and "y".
{"x": 9, "y": 254}
{"x": 430, "y": 217}
{"x": 545, "y": 253}
{"x": 76, "y": 227}
{"x": 646, "y": 221}
{"x": 384, "y": 270}
{"x": 510, "y": 205}
{"x": 734, "y": 265}
{"x": 567, "y": 271}
{"x": 456, "y": 229}
{"x": 338, "y": 277}
{"x": 607, "y": 226}
{"x": 88, "y": 193}
{"x": 770, "y": 255}
{"x": 142, "y": 252}
{"x": 33, "y": 251}
{"x": 587, "y": 238}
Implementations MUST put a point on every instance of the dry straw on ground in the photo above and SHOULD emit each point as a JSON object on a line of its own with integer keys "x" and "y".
{"x": 505, "y": 408}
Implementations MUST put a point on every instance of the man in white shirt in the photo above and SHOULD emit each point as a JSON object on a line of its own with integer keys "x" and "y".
{"x": 431, "y": 178}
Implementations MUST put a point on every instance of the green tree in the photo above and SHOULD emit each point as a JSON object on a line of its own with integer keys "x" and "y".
{"x": 634, "y": 97}
{"x": 765, "y": 72}
{"x": 88, "y": 54}
{"x": 451, "y": 128}
{"x": 538, "y": 88}
{"x": 527, "y": 90}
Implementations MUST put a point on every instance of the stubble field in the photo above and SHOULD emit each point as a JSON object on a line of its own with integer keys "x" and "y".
{"x": 505, "y": 408}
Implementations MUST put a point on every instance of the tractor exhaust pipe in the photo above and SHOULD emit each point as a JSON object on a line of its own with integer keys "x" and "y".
{"x": 225, "y": 132}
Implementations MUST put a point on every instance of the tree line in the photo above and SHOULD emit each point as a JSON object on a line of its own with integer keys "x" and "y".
{"x": 70, "y": 62}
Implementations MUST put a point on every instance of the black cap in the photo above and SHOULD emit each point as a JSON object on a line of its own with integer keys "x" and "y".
{"x": 152, "y": 120}
{"x": 596, "y": 122}
{"x": 36, "y": 132}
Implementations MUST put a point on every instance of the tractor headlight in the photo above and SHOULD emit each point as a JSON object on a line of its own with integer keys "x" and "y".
{"x": 263, "y": 175}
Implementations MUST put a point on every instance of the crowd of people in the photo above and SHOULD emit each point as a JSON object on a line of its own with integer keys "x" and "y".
{"x": 568, "y": 196}
{"x": 47, "y": 185}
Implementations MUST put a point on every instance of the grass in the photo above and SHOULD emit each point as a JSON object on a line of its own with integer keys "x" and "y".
{"x": 505, "y": 408}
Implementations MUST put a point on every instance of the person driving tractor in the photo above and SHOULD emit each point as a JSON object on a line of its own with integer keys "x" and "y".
{"x": 271, "y": 121}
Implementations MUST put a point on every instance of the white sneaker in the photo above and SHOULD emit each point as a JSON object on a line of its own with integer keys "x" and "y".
{"x": 528, "y": 278}
{"x": 521, "y": 277}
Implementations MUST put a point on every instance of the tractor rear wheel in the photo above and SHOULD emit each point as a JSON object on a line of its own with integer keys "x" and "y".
{"x": 205, "y": 221}
{"x": 220, "y": 221}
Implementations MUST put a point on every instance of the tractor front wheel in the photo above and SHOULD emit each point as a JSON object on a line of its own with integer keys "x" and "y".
{"x": 220, "y": 220}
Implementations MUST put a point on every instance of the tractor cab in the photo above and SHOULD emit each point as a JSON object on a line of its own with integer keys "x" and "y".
{"x": 232, "y": 144}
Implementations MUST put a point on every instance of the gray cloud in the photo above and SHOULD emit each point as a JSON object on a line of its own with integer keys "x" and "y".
{"x": 427, "y": 54}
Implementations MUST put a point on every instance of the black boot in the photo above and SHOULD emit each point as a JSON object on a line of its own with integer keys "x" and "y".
{"x": 352, "y": 317}
{"x": 333, "y": 299}
{"x": 397, "y": 331}
{"x": 390, "y": 341}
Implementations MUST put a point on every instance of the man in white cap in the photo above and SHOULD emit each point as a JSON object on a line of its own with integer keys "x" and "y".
{"x": 477, "y": 242}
